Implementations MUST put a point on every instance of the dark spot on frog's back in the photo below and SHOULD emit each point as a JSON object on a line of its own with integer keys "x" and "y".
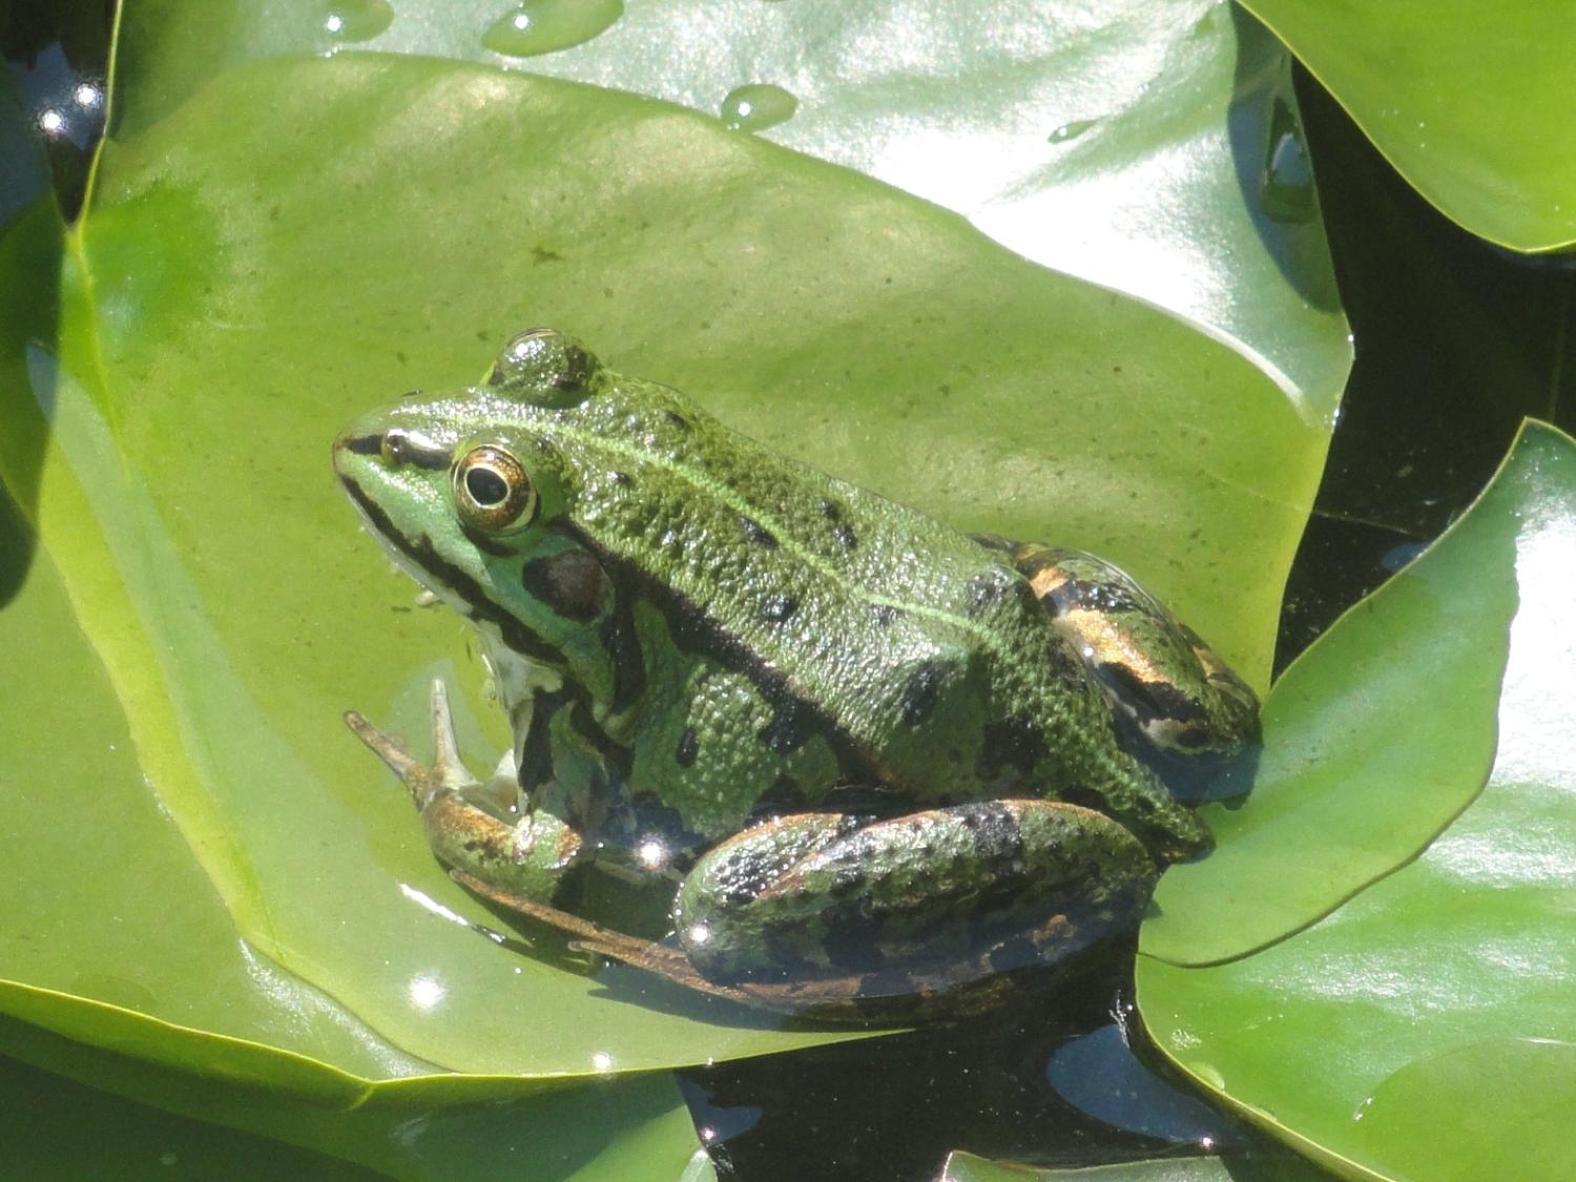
{"x": 756, "y": 533}
{"x": 777, "y": 608}
{"x": 1012, "y": 742}
{"x": 688, "y": 748}
{"x": 986, "y": 590}
{"x": 994, "y": 542}
{"x": 676, "y": 419}
{"x": 844, "y": 533}
{"x": 791, "y": 726}
{"x": 920, "y": 693}
{"x": 571, "y": 583}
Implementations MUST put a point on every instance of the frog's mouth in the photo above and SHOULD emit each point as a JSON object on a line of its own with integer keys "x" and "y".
{"x": 357, "y": 461}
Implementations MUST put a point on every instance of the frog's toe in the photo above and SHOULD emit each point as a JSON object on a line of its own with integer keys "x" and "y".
{"x": 445, "y": 749}
{"x": 424, "y": 781}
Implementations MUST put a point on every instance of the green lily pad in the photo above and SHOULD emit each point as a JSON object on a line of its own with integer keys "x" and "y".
{"x": 966, "y": 1167}
{"x": 42, "y": 1117}
{"x": 1424, "y": 1028}
{"x": 1363, "y": 760}
{"x": 303, "y": 239}
{"x": 1151, "y": 148}
{"x": 150, "y": 1119}
{"x": 1471, "y": 104}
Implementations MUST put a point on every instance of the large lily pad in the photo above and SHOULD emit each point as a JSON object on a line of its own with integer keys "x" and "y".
{"x": 1363, "y": 760}
{"x": 1470, "y": 103}
{"x": 304, "y": 238}
{"x": 1152, "y": 148}
{"x": 1424, "y": 1029}
{"x": 161, "y": 1122}
{"x": 966, "y": 1167}
{"x": 43, "y": 1116}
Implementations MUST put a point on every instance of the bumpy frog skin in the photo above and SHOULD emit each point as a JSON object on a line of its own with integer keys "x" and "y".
{"x": 877, "y": 757}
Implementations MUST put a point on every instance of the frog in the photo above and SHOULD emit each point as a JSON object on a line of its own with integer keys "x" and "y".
{"x": 873, "y": 758}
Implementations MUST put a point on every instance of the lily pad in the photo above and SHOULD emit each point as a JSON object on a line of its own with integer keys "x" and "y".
{"x": 42, "y": 1117}
{"x": 159, "y": 1122}
{"x": 1153, "y": 148}
{"x": 302, "y": 239}
{"x": 966, "y": 1167}
{"x": 1424, "y": 1028}
{"x": 1363, "y": 760}
{"x": 1471, "y": 104}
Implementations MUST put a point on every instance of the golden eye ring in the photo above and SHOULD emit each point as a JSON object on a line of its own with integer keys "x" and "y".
{"x": 492, "y": 491}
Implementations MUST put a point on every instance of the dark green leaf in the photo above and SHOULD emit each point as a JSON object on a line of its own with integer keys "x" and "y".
{"x": 1470, "y": 102}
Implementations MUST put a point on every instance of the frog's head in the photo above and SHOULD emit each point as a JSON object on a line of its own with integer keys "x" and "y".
{"x": 470, "y": 492}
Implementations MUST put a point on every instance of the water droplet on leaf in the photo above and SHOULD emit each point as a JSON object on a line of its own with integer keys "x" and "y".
{"x": 357, "y": 20}
{"x": 1070, "y": 131}
{"x": 757, "y": 106}
{"x": 545, "y": 26}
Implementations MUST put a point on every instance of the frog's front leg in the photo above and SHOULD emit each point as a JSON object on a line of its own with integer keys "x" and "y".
{"x": 474, "y": 827}
{"x": 914, "y": 903}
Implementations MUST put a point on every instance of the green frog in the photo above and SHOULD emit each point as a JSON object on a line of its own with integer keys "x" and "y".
{"x": 872, "y": 757}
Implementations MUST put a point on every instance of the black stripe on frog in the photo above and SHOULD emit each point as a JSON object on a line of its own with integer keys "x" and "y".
{"x": 795, "y": 719}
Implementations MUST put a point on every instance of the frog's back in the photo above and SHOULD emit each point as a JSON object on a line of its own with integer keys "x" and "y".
{"x": 923, "y": 649}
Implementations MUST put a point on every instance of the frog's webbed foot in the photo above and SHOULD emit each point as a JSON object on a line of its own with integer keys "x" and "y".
{"x": 468, "y": 826}
{"x": 424, "y": 781}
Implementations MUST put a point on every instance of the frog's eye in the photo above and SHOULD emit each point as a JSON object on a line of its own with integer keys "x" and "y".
{"x": 492, "y": 490}
{"x": 544, "y": 362}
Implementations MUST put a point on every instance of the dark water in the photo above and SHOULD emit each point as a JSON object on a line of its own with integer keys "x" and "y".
{"x": 1456, "y": 339}
{"x": 1057, "y": 1080}
{"x": 55, "y": 60}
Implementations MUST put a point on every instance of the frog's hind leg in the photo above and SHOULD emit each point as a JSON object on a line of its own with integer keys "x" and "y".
{"x": 1166, "y": 686}
{"x": 911, "y": 904}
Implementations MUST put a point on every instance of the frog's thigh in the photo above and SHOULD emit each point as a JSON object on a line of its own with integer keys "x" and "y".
{"x": 938, "y": 897}
{"x": 1155, "y": 670}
